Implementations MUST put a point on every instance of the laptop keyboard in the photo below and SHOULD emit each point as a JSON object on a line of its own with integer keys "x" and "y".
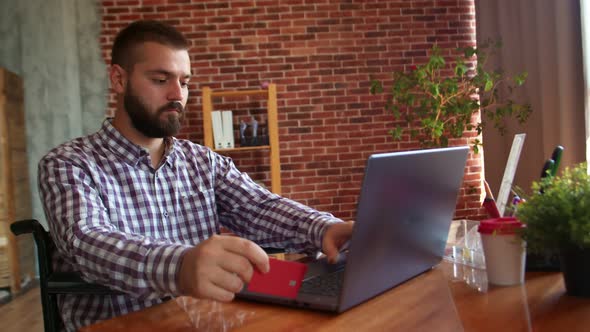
{"x": 327, "y": 284}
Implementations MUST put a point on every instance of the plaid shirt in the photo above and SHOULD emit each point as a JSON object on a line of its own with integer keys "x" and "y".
{"x": 120, "y": 222}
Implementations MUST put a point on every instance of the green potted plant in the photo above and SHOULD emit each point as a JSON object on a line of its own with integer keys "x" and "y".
{"x": 557, "y": 218}
{"x": 437, "y": 101}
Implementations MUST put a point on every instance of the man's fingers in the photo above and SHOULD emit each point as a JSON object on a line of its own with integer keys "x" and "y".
{"x": 249, "y": 250}
{"x": 331, "y": 252}
{"x": 218, "y": 267}
{"x": 228, "y": 281}
{"x": 214, "y": 292}
{"x": 335, "y": 237}
{"x": 239, "y": 265}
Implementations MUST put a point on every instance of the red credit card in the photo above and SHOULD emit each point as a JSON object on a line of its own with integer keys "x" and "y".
{"x": 284, "y": 279}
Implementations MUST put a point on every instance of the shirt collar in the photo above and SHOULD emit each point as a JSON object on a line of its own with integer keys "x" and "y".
{"x": 128, "y": 151}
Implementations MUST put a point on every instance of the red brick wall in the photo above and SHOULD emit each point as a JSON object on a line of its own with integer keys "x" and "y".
{"x": 320, "y": 53}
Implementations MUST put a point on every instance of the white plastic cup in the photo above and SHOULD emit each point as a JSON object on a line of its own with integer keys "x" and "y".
{"x": 504, "y": 250}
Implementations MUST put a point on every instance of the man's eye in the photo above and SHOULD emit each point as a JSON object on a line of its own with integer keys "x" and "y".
{"x": 159, "y": 81}
{"x": 184, "y": 84}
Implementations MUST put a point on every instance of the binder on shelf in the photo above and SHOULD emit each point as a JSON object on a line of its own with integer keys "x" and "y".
{"x": 228, "y": 129}
{"x": 217, "y": 124}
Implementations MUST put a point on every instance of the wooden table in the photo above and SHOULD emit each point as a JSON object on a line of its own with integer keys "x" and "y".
{"x": 444, "y": 299}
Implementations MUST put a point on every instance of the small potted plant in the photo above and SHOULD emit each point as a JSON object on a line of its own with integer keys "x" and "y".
{"x": 435, "y": 101}
{"x": 557, "y": 218}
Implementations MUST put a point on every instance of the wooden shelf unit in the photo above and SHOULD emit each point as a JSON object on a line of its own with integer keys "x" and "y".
{"x": 17, "y": 256}
{"x": 273, "y": 133}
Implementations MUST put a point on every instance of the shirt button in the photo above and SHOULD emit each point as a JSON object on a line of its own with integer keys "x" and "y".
{"x": 166, "y": 214}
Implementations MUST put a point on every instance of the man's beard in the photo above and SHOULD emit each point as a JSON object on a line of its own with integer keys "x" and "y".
{"x": 149, "y": 124}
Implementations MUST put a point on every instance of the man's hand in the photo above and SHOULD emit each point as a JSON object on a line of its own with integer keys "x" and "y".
{"x": 335, "y": 237}
{"x": 218, "y": 267}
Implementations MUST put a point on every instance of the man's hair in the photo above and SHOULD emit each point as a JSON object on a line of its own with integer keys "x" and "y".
{"x": 124, "y": 52}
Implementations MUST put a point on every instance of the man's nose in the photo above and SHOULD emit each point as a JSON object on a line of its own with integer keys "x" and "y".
{"x": 175, "y": 91}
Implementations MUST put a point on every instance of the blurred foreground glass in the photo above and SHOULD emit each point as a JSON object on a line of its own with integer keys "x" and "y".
{"x": 464, "y": 250}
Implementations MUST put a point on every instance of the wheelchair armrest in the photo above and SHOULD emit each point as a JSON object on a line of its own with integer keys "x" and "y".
{"x": 72, "y": 283}
{"x": 24, "y": 226}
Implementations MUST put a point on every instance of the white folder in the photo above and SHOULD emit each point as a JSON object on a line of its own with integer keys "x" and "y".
{"x": 228, "y": 129}
{"x": 217, "y": 129}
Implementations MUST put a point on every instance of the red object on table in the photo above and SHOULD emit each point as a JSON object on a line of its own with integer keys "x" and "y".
{"x": 284, "y": 279}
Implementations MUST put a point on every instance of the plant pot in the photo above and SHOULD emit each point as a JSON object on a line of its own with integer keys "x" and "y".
{"x": 575, "y": 265}
{"x": 545, "y": 261}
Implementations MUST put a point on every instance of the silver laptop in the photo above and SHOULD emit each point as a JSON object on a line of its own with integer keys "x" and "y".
{"x": 404, "y": 212}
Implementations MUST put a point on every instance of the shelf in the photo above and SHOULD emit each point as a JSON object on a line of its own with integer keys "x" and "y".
{"x": 273, "y": 134}
{"x": 238, "y": 93}
{"x": 244, "y": 148}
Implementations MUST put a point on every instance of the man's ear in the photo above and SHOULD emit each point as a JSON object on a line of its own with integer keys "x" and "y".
{"x": 118, "y": 77}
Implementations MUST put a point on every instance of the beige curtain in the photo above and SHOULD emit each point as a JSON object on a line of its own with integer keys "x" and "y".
{"x": 542, "y": 37}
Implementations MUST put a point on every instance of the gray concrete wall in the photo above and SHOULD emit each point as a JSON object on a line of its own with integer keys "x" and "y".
{"x": 54, "y": 46}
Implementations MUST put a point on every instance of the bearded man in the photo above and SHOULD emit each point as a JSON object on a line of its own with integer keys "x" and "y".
{"x": 140, "y": 211}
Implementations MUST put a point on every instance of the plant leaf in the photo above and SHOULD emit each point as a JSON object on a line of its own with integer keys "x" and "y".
{"x": 520, "y": 78}
{"x": 376, "y": 87}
